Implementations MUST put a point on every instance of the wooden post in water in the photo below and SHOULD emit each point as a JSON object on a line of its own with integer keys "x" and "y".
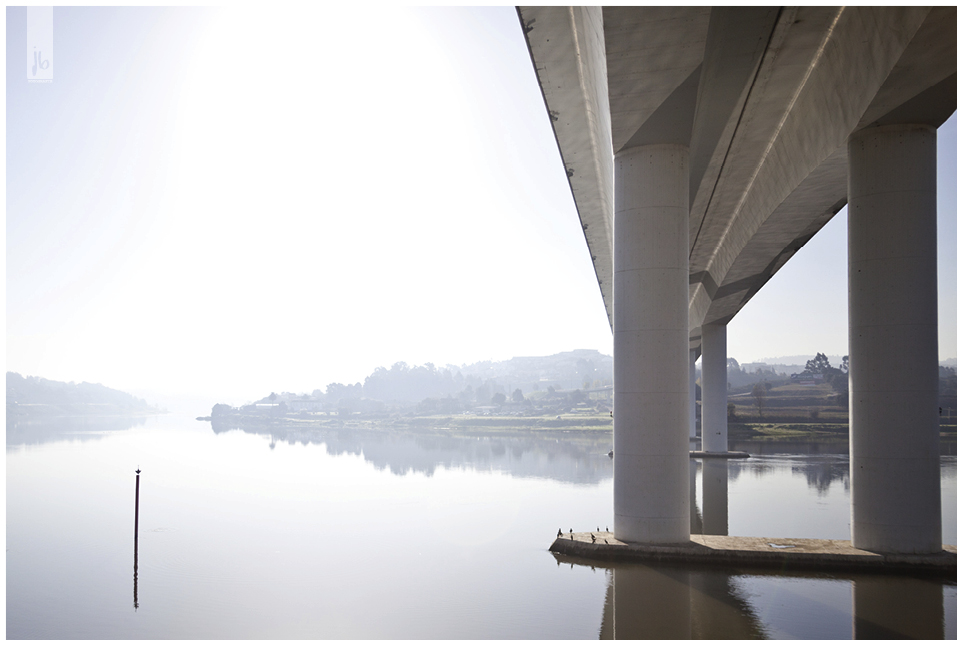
{"x": 136, "y": 508}
{"x": 136, "y": 525}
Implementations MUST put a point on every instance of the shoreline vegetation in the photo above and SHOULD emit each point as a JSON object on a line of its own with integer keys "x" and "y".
{"x": 31, "y": 398}
{"x": 564, "y": 425}
{"x": 811, "y": 405}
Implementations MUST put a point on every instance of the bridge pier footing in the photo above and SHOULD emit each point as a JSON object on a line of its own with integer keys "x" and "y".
{"x": 893, "y": 353}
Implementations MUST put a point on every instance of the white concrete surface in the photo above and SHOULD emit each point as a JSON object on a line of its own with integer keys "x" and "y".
{"x": 651, "y": 345}
{"x": 715, "y": 388}
{"x": 894, "y": 382}
{"x": 692, "y": 399}
{"x": 570, "y": 43}
{"x": 774, "y": 93}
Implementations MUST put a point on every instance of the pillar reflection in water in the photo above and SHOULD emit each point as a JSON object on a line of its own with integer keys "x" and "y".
{"x": 715, "y": 496}
{"x": 891, "y": 607}
{"x": 648, "y": 603}
{"x": 663, "y": 602}
{"x": 695, "y": 516}
{"x": 675, "y": 602}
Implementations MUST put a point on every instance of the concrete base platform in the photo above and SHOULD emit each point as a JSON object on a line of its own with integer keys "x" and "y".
{"x": 756, "y": 552}
{"x": 718, "y": 454}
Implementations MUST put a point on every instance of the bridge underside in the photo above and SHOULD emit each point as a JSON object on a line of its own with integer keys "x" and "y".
{"x": 704, "y": 147}
{"x": 764, "y": 98}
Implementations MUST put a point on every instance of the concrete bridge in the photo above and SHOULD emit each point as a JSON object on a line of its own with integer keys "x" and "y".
{"x": 704, "y": 147}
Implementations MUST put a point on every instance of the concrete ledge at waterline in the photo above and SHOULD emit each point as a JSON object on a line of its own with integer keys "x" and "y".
{"x": 821, "y": 554}
{"x": 718, "y": 454}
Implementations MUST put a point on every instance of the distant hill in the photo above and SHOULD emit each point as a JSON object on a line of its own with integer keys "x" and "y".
{"x": 465, "y": 386}
{"x": 36, "y": 396}
{"x": 801, "y": 359}
{"x": 797, "y": 360}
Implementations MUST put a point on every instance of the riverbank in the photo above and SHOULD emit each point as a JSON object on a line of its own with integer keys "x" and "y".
{"x": 566, "y": 424}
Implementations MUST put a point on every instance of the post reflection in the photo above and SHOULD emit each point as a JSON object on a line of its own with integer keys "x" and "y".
{"x": 135, "y": 576}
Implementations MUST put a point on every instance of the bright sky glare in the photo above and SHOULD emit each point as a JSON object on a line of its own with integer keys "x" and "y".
{"x": 229, "y": 203}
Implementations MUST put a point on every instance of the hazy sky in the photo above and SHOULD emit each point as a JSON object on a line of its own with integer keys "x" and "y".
{"x": 232, "y": 203}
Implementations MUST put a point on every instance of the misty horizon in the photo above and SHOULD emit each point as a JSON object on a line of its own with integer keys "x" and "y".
{"x": 168, "y": 235}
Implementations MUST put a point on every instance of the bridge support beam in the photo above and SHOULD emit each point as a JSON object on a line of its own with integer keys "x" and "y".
{"x": 715, "y": 388}
{"x": 651, "y": 340}
{"x": 893, "y": 355}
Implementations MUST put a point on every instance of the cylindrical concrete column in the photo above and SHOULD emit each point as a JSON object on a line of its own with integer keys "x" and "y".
{"x": 893, "y": 355}
{"x": 651, "y": 344}
{"x": 715, "y": 389}
{"x": 692, "y": 399}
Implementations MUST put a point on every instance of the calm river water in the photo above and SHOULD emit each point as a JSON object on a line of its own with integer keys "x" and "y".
{"x": 377, "y": 534}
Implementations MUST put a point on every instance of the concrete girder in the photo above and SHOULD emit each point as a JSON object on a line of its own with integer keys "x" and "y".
{"x": 649, "y": 55}
{"x": 812, "y": 88}
{"x": 767, "y": 148}
{"x": 823, "y": 193}
{"x": 568, "y": 48}
{"x": 735, "y": 44}
{"x": 928, "y": 60}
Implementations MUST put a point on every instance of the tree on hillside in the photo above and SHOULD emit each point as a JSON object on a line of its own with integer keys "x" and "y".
{"x": 498, "y": 399}
{"x": 819, "y": 365}
{"x": 517, "y": 395}
{"x": 759, "y": 396}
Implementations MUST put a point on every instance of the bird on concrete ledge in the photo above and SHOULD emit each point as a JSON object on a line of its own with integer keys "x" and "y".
{"x": 559, "y": 532}
{"x": 593, "y": 538}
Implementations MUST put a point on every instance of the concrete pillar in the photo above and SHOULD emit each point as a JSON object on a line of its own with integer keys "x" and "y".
{"x": 715, "y": 389}
{"x": 651, "y": 339}
{"x": 893, "y": 356}
{"x": 692, "y": 399}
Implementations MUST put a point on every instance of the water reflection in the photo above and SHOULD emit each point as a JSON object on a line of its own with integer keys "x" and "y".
{"x": 135, "y": 576}
{"x": 897, "y": 608}
{"x": 43, "y": 430}
{"x": 715, "y": 496}
{"x": 254, "y": 552}
{"x": 670, "y": 602}
{"x": 695, "y": 514}
{"x": 644, "y": 601}
{"x": 570, "y": 459}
